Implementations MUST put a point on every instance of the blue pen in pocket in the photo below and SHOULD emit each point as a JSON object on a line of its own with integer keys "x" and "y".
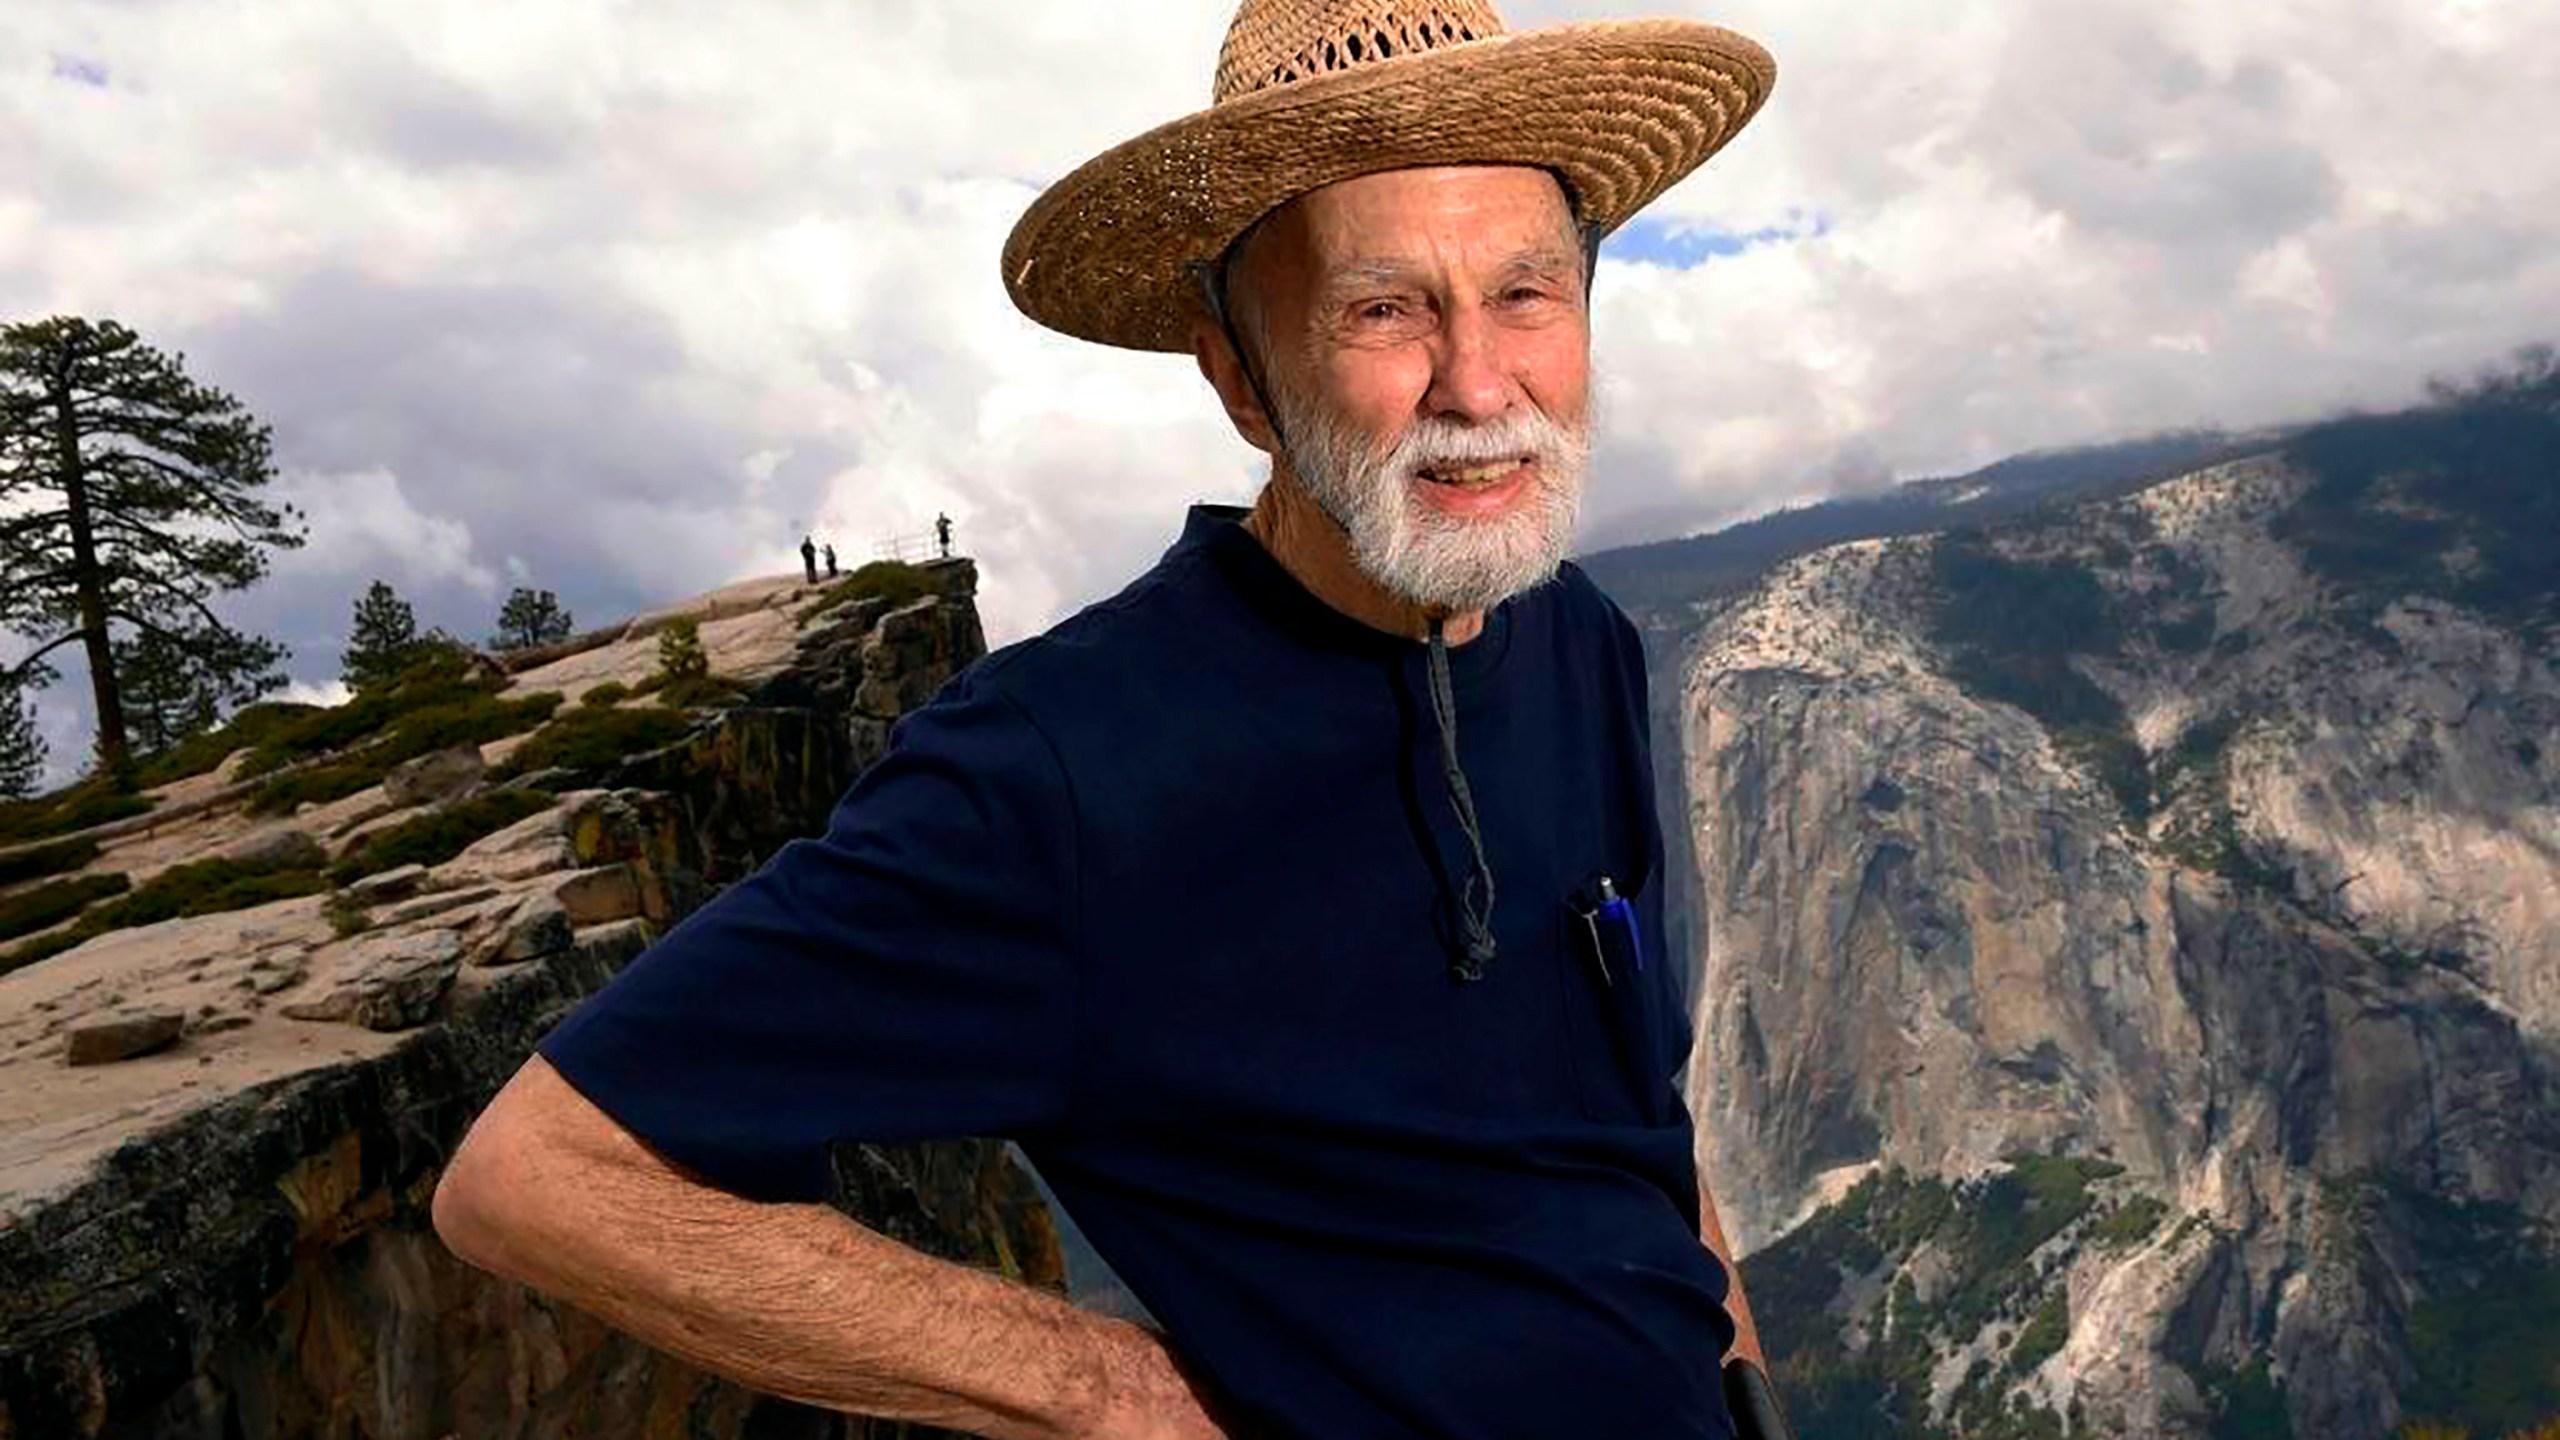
{"x": 1615, "y": 908}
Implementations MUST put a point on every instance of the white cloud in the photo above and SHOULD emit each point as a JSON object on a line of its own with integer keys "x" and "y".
{"x": 328, "y": 696}
{"x": 363, "y": 526}
{"x": 621, "y": 299}
{"x": 2050, "y": 223}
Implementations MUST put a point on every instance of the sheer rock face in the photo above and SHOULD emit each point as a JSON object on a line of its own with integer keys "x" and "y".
{"x": 1932, "y": 937}
{"x": 230, "y": 1236}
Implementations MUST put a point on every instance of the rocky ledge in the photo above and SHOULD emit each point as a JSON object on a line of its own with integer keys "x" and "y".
{"x": 219, "y": 1134}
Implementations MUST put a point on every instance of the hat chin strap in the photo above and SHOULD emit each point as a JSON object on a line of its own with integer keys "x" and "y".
{"x": 1475, "y": 897}
{"x": 1213, "y": 288}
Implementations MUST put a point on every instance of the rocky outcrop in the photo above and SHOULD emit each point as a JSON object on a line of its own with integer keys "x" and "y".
{"x": 442, "y": 775}
{"x": 2255, "y": 900}
{"x": 221, "y": 1230}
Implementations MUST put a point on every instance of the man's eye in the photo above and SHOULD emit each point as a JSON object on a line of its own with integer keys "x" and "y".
{"x": 1524, "y": 295}
{"x": 1380, "y": 310}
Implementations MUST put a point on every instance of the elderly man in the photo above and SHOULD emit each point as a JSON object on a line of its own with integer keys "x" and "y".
{"x": 1292, "y": 908}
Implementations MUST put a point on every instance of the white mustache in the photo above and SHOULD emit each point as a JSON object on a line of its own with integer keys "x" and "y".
{"x": 1442, "y": 444}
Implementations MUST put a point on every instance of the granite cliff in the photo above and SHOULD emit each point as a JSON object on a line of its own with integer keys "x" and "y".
{"x": 2129, "y": 998}
{"x": 220, "y": 1127}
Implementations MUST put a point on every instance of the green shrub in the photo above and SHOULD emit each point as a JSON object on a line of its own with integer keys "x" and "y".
{"x": 439, "y": 835}
{"x": 680, "y": 654}
{"x": 2113, "y": 755}
{"x": 2001, "y": 1221}
{"x": 2131, "y": 1223}
{"x": 2489, "y": 1356}
{"x": 93, "y": 802}
{"x": 443, "y": 676}
{"x": 585, "y": 739}
{"x": 606, "y": 695}
{"x": 2247, "y": 1404}
{"x": 346, "y": 915}
{"x": 24, "y": 865}
{"x": 314, "y": 787}
{"x": 2395, "y": 499}
{"x": 252, "y": 725}
{"x": 40, "y": 948}
{"x": 701, "y": 692}
{"x": 2012, "y": 629}
{"x": 203, "y": 887}
{"x": 2043, "y": 1335}
{"x": 2018, "y": 607}
{"x": 49, "y": 905}
{"x": 2216, "y": 845}
{"x": 892, "y": 580}
{"x": 475, "y": 720}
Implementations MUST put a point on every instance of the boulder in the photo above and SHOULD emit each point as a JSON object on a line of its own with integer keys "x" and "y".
{"x": 906, "y": 659}
{"x": 605, "y": 893}
{"x": 542, "y": 834}
{"x": 430, "y": 779}
{"x": 614, "y": 945}
{"x": 383, "y": 982}
{"x": 398, "y": 883}
{"x": 540, "y": 926}
{"x": 363, "y": 816}
{"x": 441, "y": 903}
{"x": 280, "y": 848}
{"x": 122, "y": 1037}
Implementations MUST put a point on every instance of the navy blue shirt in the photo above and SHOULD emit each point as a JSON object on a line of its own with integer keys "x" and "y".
{"x": 1169, "y": 895}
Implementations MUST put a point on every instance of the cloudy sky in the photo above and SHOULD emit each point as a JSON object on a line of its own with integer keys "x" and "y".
{"x": 619, "y": 298}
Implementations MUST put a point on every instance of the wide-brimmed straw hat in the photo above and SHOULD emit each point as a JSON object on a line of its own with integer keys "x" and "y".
{"x": 1309, "y": 92}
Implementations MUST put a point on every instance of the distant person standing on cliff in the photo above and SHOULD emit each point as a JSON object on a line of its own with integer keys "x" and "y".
{"x": 809, "y": 557}
{"x": 831, "y": 562}
{"x": 1295, "y": 909}
{"x": 942, "y": 534}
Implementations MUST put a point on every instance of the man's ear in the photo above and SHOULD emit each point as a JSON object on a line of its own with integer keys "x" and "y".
{"x": 1225, "y": 374}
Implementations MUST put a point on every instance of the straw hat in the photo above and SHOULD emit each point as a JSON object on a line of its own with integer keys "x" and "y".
{"x": 1309, "y": 92}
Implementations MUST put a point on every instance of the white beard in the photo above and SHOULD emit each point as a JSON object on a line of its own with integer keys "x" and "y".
{"x": 1410, "y": 547}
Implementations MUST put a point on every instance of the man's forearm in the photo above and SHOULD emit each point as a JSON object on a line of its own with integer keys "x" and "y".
{"x": 798, "y": 1300}
{"x": 1746, "y": 1334}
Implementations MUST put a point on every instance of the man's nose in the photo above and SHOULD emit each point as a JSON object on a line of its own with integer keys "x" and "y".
{"x": 1468, "y": 381}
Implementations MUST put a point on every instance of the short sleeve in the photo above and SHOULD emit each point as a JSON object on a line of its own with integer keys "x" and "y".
{"x": 909, "y": 975}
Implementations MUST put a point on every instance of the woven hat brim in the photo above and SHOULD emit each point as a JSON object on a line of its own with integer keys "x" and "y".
{"x": 1621, "y": 109}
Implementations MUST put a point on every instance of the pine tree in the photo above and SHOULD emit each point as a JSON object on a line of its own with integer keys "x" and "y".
{"x": 173, "y": 690}
{"x": 129, "y": 495}
{"x": 680, "y": 656}
{"x": 530, "y": 617}
{"x": 22, "y": 747}
{"x": 382, "y": 642}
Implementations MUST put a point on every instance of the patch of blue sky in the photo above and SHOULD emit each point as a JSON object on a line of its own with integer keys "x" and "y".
{"x": 79, "y": 71}
{"x": 1686, "y": 245}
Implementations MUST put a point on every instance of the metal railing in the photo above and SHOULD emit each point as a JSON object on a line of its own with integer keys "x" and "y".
{"x": 908, "y": 548}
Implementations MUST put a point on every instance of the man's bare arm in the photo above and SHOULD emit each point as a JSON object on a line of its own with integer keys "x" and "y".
{"x": 791, "y": 1300}
{"x": 1746, "y": 1335}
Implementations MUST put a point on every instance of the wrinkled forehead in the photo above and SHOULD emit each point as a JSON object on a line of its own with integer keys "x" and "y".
{"x": 1410, "y": 218}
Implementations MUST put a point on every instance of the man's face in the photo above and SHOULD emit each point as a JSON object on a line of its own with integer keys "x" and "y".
{"x": 1427, "y": 346}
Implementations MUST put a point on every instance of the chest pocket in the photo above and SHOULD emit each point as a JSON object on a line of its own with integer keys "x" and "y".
{"x": 1618, "y": 1004}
